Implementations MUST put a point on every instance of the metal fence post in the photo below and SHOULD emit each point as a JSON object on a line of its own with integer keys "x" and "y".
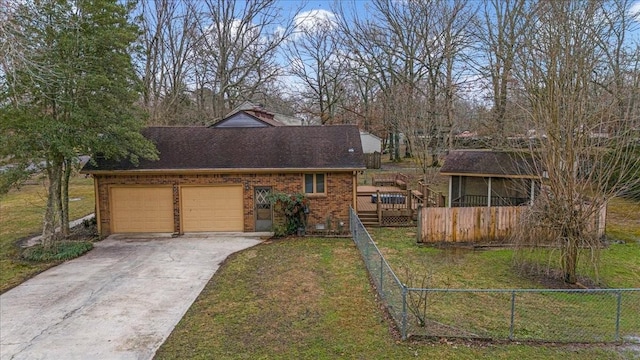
{"x": 381, "y": 274}
{"x": 366, "y": 251}
{"x": 513, "y": 313}
{"x": 619, "y": 306}
{"x": 404, "y": 312}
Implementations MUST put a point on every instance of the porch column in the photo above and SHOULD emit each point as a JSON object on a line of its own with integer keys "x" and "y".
{"x": 450, "y": 189}
{"x": 489, "y": 195}
{"x": 533, "y": 191}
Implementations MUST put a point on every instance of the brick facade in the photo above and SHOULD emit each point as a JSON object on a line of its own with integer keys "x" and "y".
{"x": 334, "y": 205}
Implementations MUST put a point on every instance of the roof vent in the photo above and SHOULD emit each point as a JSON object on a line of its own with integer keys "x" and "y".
{"x": 351, "y": 150}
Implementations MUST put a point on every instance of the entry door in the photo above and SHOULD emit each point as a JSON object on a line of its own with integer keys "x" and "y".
{"x": 264, "y": 214}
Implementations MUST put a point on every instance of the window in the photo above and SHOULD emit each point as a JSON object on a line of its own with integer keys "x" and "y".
{"x": 314, "y": 184}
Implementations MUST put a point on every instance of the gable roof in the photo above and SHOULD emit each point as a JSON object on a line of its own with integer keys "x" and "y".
{"x": 281, "y": 148}
{"x": 283, "y": 119}
{"x": 247, "y": 118}
{"x": 489, "y": 163}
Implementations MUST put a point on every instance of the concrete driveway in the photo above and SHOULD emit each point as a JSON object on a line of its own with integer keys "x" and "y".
{"x": 119, "y": 301}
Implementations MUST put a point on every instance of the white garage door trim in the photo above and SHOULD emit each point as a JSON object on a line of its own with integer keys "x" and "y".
{"x": 212, "y": 208}
{"x": 141, "y": 209}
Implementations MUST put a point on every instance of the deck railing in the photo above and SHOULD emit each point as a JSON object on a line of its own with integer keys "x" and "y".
{"x": 431, "y": 198}
{"x": 483, "y": 200}
{"x": 394, "y": 208}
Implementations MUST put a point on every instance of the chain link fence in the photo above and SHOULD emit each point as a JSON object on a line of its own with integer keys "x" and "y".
{"x": 555, "y": 315}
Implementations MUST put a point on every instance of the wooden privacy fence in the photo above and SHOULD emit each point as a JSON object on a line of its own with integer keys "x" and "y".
{"x": 373, "y": 160}
{"x": 480, "y": 224}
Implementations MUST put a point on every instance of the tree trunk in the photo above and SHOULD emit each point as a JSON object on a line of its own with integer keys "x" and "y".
{"x": 392, "y": 145}
{"x": 570, "y": 260}
{"x": 64, "y": 198}
{"x": 396, "y": 135}
{"x": 54, "y": 173}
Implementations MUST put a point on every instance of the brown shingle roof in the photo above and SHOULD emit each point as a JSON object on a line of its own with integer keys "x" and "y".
{"x": 283, "y": 147}
{"x": 486, "y": 162}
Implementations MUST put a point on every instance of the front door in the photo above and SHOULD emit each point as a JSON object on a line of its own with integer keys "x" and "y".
{"x": 264, "y": 214}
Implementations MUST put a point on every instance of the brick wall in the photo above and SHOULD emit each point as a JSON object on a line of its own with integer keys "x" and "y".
{"x": 334, "y": 205}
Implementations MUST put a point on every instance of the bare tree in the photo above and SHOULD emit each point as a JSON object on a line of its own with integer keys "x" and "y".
{"x": 501, "y": 37}
{"x": 561, "y": 71}
{"x": 236, "y": 50}
{"x": 168, "y": 28}
{"x": 316, "y": 60}
{"x": 413, "y": 48}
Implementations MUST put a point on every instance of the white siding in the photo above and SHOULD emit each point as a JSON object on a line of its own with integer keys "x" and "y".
{"x": 370, "y": 143}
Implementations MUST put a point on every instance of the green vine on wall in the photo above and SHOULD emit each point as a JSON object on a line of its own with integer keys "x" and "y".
{"x": 294, "y": 207}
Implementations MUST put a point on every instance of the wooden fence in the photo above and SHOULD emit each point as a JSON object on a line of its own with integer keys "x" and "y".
{"x": 479, "y": 224}
{"x": 373, "y": 160}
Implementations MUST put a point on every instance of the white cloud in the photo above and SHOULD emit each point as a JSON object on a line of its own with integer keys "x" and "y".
{"x": 313, "y": 19}
{"x": 634, "y": 11}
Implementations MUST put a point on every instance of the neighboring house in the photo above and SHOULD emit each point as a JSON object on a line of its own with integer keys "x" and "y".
{"x": 217, "y": 179}
{"x": 370, "y": 143}
{"x": 259, "y": 110}
{"x": 249, "y": 114}
{"x": 247, "y": 118}
{"x": 490, "y": 178}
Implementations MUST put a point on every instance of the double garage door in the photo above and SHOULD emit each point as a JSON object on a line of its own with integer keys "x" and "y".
{"x": 202, "y": 208}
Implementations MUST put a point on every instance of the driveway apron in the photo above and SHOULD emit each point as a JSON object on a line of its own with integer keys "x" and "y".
{"x": 119, "y": 301}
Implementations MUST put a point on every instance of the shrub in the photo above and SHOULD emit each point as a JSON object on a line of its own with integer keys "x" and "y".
{"x": 60, "y": 251}
{"x": 294, "y": 207}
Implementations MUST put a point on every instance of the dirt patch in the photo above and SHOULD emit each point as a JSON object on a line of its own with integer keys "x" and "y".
{"x": 85, "y": 231}
{"x": 553, "y": 279}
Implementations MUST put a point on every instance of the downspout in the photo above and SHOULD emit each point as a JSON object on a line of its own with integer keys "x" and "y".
{"x": 354, "y": 190}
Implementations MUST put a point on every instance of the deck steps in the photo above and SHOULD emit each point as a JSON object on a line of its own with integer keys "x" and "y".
{"x": 368, "y": 218}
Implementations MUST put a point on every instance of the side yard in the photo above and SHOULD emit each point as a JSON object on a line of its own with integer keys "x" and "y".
{"x": 21, "y": 214}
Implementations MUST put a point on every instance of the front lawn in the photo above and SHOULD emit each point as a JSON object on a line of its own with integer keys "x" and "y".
{"x": 311, "y": 299}
{"x": 21, "y": 212}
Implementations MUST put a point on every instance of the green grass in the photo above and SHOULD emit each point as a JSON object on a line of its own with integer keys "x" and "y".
{"x": 21, "y": 213}
{"x": 311, "y": 299}
{"x": 539, "y": 315}
{"x": 623, "y": 220}
{"x": 619, "y": 265}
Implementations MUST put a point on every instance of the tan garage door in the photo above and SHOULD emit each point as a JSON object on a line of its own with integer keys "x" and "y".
{"x": 141, "y": 209}
{"x": 212, "y": 208}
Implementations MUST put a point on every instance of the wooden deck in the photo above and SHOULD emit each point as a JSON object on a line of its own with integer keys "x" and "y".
{"x": 365, "y": 204}
{"x": 393, "y": 212}
{"x": 364, "y": 198}
{"x": 368, "y": 189}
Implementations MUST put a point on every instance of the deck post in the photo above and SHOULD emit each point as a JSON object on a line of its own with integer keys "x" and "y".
{"x": 409, "y": 201}
{"x": 379, "y": 207}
